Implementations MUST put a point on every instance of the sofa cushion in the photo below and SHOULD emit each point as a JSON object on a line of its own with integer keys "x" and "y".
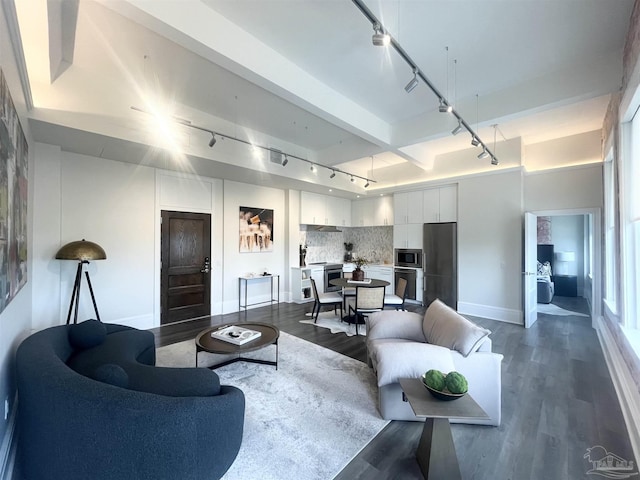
{"x": 405, "y": 359}
{"x": 445, "y": 327}
{"x": 173, "y": 382}
{"x": 112, "y": 374}
{"x": 120, "y": 348}
{"x": 395, "y": 324}
{"x": 87, "y": 334}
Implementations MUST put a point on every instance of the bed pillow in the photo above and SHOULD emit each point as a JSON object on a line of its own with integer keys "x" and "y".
{"x": 445, "y": 327}
{"x": 544, "y": 269}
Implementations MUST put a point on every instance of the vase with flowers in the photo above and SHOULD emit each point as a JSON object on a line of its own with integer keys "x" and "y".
{"x": 358, "y": 273}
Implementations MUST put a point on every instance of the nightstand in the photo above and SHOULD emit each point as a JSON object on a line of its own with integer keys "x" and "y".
{"x": 565, "y": 285}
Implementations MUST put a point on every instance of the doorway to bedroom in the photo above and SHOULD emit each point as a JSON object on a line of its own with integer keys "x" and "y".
{"x": 567, "y": 251}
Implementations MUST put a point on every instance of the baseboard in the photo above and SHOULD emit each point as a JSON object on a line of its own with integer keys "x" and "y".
{"x": 623, "y": 382}
{"x": 141, "y": 322}
{"x": 495, "y": 313}
{"x": 9, "y": 445}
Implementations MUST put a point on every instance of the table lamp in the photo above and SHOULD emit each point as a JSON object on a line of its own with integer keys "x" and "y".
{"x": 566, "y": 258}
{"x": 83, "y": 251}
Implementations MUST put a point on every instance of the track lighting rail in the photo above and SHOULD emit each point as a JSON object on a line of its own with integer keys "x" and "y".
{"x": 286, "y": 156}
{"x": 416, "y": 71}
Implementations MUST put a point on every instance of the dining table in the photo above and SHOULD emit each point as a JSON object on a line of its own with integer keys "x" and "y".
{"x": 348, "y": 283}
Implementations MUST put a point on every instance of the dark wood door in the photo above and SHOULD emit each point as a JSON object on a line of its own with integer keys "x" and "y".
{"x": 185, "y": 279}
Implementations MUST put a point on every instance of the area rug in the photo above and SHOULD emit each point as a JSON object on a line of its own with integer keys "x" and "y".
{"x": 551, "y": 309}
{"x": 306, "y": 420}
{"x": 332, "y": 321}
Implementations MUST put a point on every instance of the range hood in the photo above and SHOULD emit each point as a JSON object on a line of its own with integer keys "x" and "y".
{"x": 323, "y": 228}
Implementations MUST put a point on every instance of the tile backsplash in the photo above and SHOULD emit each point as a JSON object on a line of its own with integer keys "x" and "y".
{"x": 373, "y": 243}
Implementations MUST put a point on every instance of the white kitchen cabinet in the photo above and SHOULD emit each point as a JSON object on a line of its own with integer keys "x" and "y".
{"x": 380, "y": 272}
{"x": 317, "y": 209}
{"x": 440, "y": 204}
{"x": 312, "y": 209}
{"x": 301, "y": 285}
{"x": 317, "y": 273}
{"x": 372, "y": 212}
{"x": 407, "y": 208}
{"x": 338, "y": 211}
{"x": 407, "y": 236}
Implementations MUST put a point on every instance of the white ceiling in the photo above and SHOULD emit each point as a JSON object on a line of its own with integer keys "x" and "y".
{"x": 303, "y": 76}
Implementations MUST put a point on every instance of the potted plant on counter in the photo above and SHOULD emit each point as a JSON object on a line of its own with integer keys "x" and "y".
{"x": 358, "y": 273}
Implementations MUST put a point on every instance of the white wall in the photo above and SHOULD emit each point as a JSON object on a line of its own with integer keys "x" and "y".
{"x": 112, "y": 204}
{"x": 47, "y": 304}
{"x": 567, "y": 188}
{"x": 236, "y": 263}
{"x": 562, "y": 152}
{"x": 490, "y": 246}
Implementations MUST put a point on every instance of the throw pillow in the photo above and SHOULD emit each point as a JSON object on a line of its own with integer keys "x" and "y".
{"x": 87, "y": 334}
{"x": 445, "y": 327}
{"x": 112, "y": 374}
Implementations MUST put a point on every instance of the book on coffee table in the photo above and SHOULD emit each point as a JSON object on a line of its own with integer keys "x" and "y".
{"x": 235, "y": 334}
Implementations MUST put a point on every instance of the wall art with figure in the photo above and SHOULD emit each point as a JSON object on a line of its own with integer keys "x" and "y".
{"x": 256, "y": 229}
{"x": 13, "y": 199}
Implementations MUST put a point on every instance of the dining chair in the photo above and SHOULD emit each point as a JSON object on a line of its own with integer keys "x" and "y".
{"x": 368, "y": 300}
{"x": 324, "y": 299}
{"x": 347, "y": 292}
{"x": 397, "y": 300}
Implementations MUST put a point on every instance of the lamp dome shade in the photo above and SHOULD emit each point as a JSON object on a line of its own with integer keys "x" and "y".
{"x": 82, "y": 250}
{"x": 565, "y": 256}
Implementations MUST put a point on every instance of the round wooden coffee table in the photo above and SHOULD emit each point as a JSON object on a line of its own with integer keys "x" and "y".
{"x": 269, "y": 336}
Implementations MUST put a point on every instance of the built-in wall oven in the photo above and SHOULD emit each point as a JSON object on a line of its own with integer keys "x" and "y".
{"x": 331, "y": 272}
{"x": 408, "y": 257}
{"x": 411, "y": 276}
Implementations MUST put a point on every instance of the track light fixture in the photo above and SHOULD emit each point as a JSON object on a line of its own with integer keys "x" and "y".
{"x": 444, "y": 107}
{"x": 494, "y": 161}
{"x": 458, "y": 129}
{"x": 257, "y": 148}
{"x": 413, "y": 83}
{"x": 483, "y": 154}
{"x": 366, "y": 185}
{"x": 380, "y": 38}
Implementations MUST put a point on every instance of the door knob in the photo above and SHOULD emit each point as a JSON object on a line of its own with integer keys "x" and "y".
{"x": 206, "y": 266}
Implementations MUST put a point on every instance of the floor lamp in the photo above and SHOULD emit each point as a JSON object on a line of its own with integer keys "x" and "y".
{"x": 82, "y": 251}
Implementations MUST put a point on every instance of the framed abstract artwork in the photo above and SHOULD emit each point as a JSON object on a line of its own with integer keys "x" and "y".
{"x": 14, "y": 162}
{"x": 256, "y": 230}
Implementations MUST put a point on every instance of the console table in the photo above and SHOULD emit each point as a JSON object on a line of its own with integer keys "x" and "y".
{"x": 246, "y": 280}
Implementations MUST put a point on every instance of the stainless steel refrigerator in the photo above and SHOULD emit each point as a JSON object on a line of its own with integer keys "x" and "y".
{"x": 440, "y": 258}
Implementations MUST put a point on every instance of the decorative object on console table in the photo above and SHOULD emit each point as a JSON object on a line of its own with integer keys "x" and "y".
{"x": 303, "y": 255}
{"x": 565, "y": 285}
{"x": 83, "y": 251}
{"x": 358, "y": 273}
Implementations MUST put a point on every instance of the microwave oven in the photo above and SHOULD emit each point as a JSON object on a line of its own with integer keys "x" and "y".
{"x": 408, "y": 257}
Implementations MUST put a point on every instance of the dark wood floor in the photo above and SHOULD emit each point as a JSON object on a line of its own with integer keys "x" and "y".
{"x": 557, "y": 399}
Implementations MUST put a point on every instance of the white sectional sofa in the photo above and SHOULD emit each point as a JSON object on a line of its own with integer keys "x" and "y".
{"x": 404, "y": 344}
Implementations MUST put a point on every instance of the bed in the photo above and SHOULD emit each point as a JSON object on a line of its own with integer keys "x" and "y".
{"x": 545, "y": 273}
